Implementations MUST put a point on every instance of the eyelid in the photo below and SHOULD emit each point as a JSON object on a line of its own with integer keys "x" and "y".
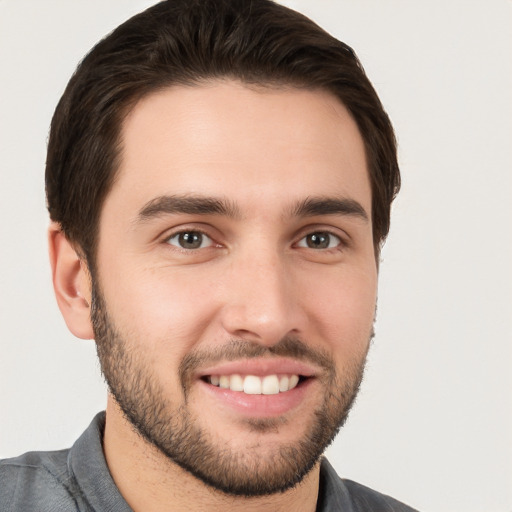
{"x": 176, "y": 235}
{"x": 339, "y": 233}
{"x": 176, "y": 231}
{"x": 340, "y": 243}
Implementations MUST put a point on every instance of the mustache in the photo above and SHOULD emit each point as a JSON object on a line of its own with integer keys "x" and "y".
{"x": 241, "y": 349}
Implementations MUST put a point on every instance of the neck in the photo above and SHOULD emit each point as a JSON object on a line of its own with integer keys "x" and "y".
{"x": 149, "y": 481}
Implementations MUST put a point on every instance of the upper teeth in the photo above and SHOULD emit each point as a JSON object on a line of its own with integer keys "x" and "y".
{"x": 254, "y": 385}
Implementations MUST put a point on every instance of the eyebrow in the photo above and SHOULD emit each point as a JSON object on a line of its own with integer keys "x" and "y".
{"x": 204, "y": 205}
{"x": 187, "y": 204}
{"x": 313, "y": 206}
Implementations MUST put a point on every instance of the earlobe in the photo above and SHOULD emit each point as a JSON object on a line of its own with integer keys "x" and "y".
{"x": 71, "y": 283}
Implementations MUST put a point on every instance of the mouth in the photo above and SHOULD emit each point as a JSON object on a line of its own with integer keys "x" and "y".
{"x": 259, "y": 387}
{"x": 271, "y": 384}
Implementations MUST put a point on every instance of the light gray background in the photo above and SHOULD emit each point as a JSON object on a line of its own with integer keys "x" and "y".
{"x": 433, "y": 424}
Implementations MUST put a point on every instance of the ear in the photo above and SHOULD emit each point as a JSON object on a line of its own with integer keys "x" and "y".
{"x": 71, "y": 283}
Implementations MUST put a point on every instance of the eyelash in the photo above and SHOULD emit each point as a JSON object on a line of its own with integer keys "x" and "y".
{"x": 188, "y": 232}
{"x": 320, "y": 234}
{"x": 339, "y": 245}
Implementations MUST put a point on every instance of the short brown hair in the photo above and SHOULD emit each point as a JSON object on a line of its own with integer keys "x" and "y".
{"x": 188, "y": 42}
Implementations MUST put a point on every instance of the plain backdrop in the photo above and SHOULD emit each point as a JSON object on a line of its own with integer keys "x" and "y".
{"x": 433, "y": 423}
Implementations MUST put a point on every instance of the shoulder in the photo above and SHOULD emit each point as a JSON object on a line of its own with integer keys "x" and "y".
{"x": 36, "y": 481}
{"x": 366, "y": 499}
{"x": 341, "y": 494}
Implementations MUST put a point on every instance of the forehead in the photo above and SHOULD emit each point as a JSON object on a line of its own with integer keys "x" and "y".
{"x": 253, "y": 145}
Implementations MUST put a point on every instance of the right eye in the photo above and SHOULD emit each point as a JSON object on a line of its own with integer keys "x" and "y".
{"x": 190, "y": 240}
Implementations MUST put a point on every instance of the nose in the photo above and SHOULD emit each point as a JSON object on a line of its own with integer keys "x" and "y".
{"x": 262, "y": 299}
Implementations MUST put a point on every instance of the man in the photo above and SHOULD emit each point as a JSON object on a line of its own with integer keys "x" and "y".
{"x": 219, "y": 179}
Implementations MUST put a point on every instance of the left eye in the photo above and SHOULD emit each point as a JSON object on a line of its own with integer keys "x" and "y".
{"x": 320, "y": 240}
{"x": 190, "y": 240}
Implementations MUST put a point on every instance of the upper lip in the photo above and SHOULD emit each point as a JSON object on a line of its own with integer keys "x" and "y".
{"x": 260, "y": 367}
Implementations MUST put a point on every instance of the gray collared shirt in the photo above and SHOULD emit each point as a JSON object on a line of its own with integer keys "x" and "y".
{"x": 78, "y": 479}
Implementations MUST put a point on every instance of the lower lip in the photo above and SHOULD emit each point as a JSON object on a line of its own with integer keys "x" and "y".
{"x": 260, "y": 406}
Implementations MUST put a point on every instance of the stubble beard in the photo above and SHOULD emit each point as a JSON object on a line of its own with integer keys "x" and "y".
{"x": 174, "y": 431}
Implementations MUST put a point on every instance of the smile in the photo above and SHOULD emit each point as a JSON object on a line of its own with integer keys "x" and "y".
{"x": 259, "y": 387}
{"x": 255, "y": 385}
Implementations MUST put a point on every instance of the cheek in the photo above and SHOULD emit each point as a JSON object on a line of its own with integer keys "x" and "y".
{"x": 342, "y": 305}
{"x": 163, "y": 309}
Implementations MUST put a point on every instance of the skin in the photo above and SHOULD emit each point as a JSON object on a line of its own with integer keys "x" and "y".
{"x": 255, "y": 278}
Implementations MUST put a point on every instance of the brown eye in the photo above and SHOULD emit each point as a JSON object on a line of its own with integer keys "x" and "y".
{"x": 190, "y": 240}
{"x": 320, "y": 240}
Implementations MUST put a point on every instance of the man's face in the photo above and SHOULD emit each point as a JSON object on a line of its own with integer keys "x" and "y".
{"x": 235, "y": 258}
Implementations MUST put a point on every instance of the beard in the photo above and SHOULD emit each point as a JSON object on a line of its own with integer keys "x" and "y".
{"x": 169, "y": 424}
